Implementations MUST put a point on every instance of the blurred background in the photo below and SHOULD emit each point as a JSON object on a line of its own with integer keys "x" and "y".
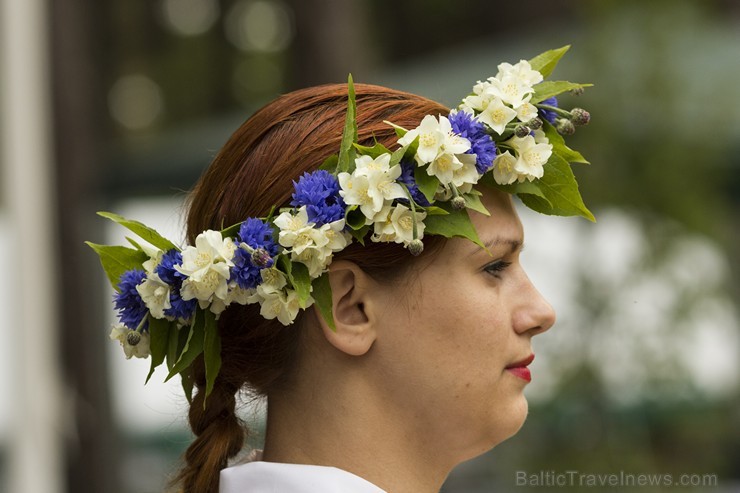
{"x": 120, "y": 105}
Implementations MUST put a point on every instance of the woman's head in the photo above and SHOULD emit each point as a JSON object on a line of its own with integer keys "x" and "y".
{"x": 254, "y": 171}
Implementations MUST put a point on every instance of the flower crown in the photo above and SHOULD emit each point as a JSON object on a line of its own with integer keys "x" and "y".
{"x": 505, "y": 134}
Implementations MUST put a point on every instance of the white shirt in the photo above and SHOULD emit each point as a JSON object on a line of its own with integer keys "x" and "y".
{"x": 274, "y": 477}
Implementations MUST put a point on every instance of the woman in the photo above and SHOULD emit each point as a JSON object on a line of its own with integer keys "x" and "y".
{"x": 411, "y": 364}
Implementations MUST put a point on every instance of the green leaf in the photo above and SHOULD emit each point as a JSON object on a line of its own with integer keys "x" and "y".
{"x": 525, "y": 187}
{"x": 472, "y": 201}
{"x": 193, "y": 346}
{"x": 349, "y": 135}
{"x": 400, "y": 131}
{"x": 427, "y": 184}
{"x": 559, "y": 187}
{"x": 398, "y": 155}
{"x": 545, "y": 62}
{"x": 559, "y": 147}
{"x": 159, "y": 336}
{"x": 330, "y": 163}
{"x": 186, "y": 380}
{"x": 433, "y": 210}
{"x": 359, "y": 234}
{"x": 118, "y": 259}
{"x": 322, "y": 297}
{"x": 231, "y": 231}
{"x": 355, "y": 218}
{"x": 211, "y": 352}
{"x": 548, "y": 89}
{"x": 301, "y": 281}
{"x": 455, "y": 223}
{"x": 178, "y": 337}
{"x": 145, "y": 232}
{"x": 377, "y": 150}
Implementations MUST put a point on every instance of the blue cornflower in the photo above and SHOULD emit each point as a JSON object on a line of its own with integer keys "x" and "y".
{"x": 258, "y": 235}
{"x": 319, "y": 192}
{"x": 549, "y": 115}
{"x": 407, "y": 178}
{"x": 481, "y": 144}
{"x": 166, "y": 271}
{"x": 128, "y": 302}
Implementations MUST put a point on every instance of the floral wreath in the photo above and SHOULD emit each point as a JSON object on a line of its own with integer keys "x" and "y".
{"x": 507, "y": 134}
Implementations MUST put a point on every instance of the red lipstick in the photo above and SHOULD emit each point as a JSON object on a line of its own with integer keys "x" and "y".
{"x": 520, "y": 369}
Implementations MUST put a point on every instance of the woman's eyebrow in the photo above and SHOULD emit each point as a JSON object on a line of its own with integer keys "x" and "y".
{"x": 515, "y": 244}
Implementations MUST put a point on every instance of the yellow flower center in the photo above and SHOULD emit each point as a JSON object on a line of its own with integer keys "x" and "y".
{"x": 406, "y": 223}
{"x": 427, "y": 140}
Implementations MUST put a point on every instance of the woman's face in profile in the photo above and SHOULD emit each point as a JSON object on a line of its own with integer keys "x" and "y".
{"x": 455, "y": 331}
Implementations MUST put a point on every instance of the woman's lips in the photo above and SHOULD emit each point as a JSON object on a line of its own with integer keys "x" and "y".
{"x": 520, "y": 369}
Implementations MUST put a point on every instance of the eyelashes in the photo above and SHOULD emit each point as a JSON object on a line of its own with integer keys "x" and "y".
{"x": 497, "y": 268}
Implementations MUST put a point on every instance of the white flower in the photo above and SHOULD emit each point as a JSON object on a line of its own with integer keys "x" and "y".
{"x": 297, "y": 233}
{"x": 444, "y": 167}
{"x": 526, "y": 112}
{"x": 467, "y": 173}
{"x": 382, "y": 228}
{"x": 141, "y": 350}
{"x": 354, "y": 190}
{"x": 315, "y": 258}
{"x": 511, "y": 90}
{"x": 496, "y": 115}
{"x": 337, "y": 238}
{"x": 365, "y": 165}
{"x": 207, "y": 266}
{"x": 431, "y": 138}
{"x": 398, "y": 226}
{"x": 531, "y": 157}
{"x": 371, "y": 185}
{"x": 522, "y": 71}
{"x": 155, "y": 293}
{"x": 280, "y": 304}
{"x": 503, "y": 169}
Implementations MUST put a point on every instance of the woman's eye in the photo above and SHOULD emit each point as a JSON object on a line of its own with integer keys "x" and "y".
{"x": 497, "y": 267}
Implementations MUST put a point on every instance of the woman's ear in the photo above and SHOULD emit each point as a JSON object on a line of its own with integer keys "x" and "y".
{"x": 350, "y": 290}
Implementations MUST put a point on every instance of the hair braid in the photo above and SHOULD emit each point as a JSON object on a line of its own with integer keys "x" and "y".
{"x": 219, "y": 434}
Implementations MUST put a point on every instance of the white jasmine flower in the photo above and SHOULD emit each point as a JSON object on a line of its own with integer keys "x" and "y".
{"x": 383, "y": 230}
{"x": 503, "y": 169}
{"x": 496, "y": 115}
{"x": 511, "y": 90}
{"x": 155, "y": 256}
{"x": 526, "y": 112}
{"x": 207, "y": 266}
{"x": 432, "y": 135}
{"x": 297, "y": 233}
{"x": 315, "y": 258}
{"x": 371, "y": 185}
{"x": 444, "y": 167}
{"x": 522, "y": 71}
{"x": 402, "y": 221}
{"x": 337, "y": 238}
{"x": 467, "y": 173}
{"x": 284, "y": 306}
{"x": 140, "y": 350}
{"x": 531, "y": 157}
{"x": 354, "y": 190}
{"x": 365, "y": 165}
{"x": 273, "y": 281}
{"x": 155, "y": 293}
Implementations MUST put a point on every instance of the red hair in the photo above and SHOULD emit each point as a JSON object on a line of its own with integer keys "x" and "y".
{"x": 254, "y": 171}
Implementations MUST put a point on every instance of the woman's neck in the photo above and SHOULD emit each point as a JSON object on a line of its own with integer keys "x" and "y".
{"x": 352, "y": 428}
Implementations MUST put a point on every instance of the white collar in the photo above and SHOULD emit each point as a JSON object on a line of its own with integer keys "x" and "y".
{"x": 273, "y": 477}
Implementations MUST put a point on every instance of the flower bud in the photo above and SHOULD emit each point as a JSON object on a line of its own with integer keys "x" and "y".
{"x": 535, "y": 123}
{"x": 579, "y": 116}
{"x": 565, "y": 127}
{"x": 458, "y": 203}
{"x": 415, "y": 247}
{"x": 577, "y": 91}
{"x": 133, "y": 338}
{"x": 521, "y": 131}
{"x": 261, "y": 258}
